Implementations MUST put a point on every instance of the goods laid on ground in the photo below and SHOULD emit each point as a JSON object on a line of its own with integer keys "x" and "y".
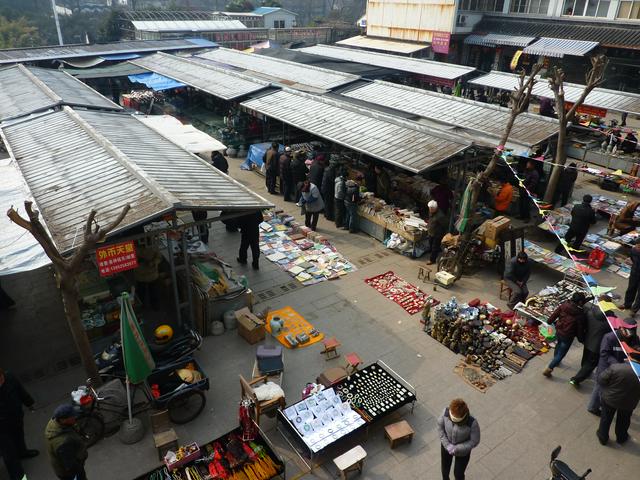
{"x": 493, "y": 340}
{"x": 550, "y": 259}
{"x": 541, "y": 305}
{"x": 304, "y": 254}
{"x": 408, "y": 296}
{"x": 294, "y": 330}
{"x": 228, "y": 457}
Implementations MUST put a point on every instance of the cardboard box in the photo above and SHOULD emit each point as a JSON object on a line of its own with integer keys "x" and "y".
{"x": 497, "y": 225}
{"x": 250, "y": 327}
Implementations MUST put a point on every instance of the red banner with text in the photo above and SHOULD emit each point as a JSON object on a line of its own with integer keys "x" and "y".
{"x": 116, "y": 258}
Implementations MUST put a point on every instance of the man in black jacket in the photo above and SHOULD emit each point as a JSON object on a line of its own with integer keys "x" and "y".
{"x": 596, "y": 328}
{"x": 516, "y": 276}
{"x": 219, "y": 161}
{"x": 568, "y": 178}
{"x": 287, "y": 187}
{"x": 631, "y": 296}
{"x": 582, "y": 217}
{"x": 328, "y": 188}
{"x": 620, "y": 395}
{"x": 250, "y": 237}
{"x": 12, "y": 445}
{"x": 531, "y": 180}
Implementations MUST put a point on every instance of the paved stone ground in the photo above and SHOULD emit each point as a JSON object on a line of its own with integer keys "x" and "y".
{"x": 522, "y": 418}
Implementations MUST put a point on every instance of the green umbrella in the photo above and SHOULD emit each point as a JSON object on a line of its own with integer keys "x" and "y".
{"x": 138, "y": 362}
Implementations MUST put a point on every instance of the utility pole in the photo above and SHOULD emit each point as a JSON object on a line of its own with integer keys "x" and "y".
{"x": 55, "y": 18}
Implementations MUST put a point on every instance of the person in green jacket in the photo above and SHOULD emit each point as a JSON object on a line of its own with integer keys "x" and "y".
{"x": 67, "y": 449}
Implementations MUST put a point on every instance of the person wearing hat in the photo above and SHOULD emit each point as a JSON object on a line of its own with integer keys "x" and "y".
{"x": 569, "y": 319}
{"x": 596, "y": 327}
{"x": 436, "y": 229}
{"x": 631, "y": 297}
{"x": 328, "y": 187}
{"x": 620, "y": 395}
{"x": 287, "y": 187}
{"x": 516, "y": 276}
{"x": 67, "y": 449}
{"x": 611, "y": 352}
{"x": 12, "y": 445}
{"x": 459, "y": 434}
{"x": 582, "y": 217}
{"x": 271, "y": 168}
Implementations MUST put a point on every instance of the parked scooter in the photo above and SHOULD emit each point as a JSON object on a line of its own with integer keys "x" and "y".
{"x": 562, "y": 471}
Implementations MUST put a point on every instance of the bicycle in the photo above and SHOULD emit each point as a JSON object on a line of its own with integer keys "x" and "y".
{"x": 184, "y": 402}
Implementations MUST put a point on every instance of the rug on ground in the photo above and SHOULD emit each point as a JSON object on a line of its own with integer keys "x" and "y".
{"x": 300, "y": 332}
{"x": 306, "y": 255}
{"x": 408, "y": 296}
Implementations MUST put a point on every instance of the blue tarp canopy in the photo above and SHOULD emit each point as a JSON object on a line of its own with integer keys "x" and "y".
{"x": 256, "y": 154}
{"x": 155, "y": 81}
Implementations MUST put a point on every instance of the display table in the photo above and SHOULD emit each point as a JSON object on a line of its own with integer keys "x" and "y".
{"x": 539, "y": 307}
{"x": 380, "y": 229}
{"x": 550, "y": 259}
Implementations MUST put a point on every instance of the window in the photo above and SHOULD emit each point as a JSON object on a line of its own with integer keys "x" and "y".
{"x": 629, "y": 10}
{"x": 482, "y": 5}
{"x": 278, "y": 24}
{"x": 587, "y": 8}
{"x": 539, "y": 7}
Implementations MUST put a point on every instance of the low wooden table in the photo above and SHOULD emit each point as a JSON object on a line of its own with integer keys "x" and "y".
{"x": 332, "y": 376}
{"x": 350, "y": 461}
{"x": 397, "y": 432}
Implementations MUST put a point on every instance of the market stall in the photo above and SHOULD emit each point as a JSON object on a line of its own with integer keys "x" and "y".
{"x": 231, "y": 456}
{"x": 540, "y": 306}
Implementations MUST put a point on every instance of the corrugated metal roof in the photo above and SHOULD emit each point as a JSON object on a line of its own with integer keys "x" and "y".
{"x": 25, "y": 90}
{"x": 559, "y": 47}
{"x": 214, "y": 80}
{"x": 288, "y": 73}
{"x": 495, "y": 39}
{"x": 394, "y": 46}
{"x": 18, "y": 55}
{"x": 396, "y": 62}
{"x": 77, "y": 161}
{"x": 478, "y": 117}
{"x": 608, "y": 34}
{"x": 390, "y": 139}
{"x": 187, "y": 25}
{"x": 599, "y": 97}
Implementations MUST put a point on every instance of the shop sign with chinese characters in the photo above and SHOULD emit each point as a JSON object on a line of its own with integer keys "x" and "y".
{"x": 116, "y": 258}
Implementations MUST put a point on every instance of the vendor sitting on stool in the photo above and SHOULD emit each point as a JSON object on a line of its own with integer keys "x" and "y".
{"x": 516, "y": 276}
{"x": 626, "y": 221}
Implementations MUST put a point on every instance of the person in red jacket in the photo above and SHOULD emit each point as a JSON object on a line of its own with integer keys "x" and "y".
{"x": 569, "y": 319}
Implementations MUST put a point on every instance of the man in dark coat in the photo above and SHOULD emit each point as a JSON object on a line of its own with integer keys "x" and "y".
{"x": 568, "y": 177}
{"x": 620, "y": 396}
{"x": 531, "y": 180}
{"x": 631, "y": 296}
{"x": 569, "y": 319}
{"x": 582, "y": 217}
{"x": 596, "y": 326}
{"x": 12, "y": 445}
{"x": 328, "y": 188}
{"x": 436, "y": 229}
{"x": 611, "y": 352}
{"x": 286, "y": 176}
{"x": 516, "y": 276}
{"x": 299, "y": 172}
{"x": 220, "y": 162}
{"x": 371, "y": 179}
{"x": 316, "y": 172}
{"x": 250, "y": 237}
{"x": 271, "y": 167}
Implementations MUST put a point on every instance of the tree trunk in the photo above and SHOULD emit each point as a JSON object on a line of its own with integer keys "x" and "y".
{"x": 561, "y": 158}
{"x": 70, "y": 299}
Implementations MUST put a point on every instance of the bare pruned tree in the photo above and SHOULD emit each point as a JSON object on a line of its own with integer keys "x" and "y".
{"x": 594, "y": 77}
{"x": 67, "y": 269}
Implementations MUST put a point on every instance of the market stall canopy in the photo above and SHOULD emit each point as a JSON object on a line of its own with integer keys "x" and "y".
{"x": 480, "y": 119}
{"x": 19, "y": 251}
{"x": 387, "y": 45}
{"x": 25, "y": 90}
{"x": 187, "y": 25}
{"x": 495, "y": 39}
{"x": 186, "y": 136}
{"x": 76, "y": 161}
{"x": 447, "y": 71}
{"x": 56, "y": 52}
{"x": 600, "y": 97}
{"x": 559, "y": 47}
{"x": 116, "y": 70}
{"x": 155, "y": 81}
{"x": 399, "y": 142}
{"x": 292, "y": 74}
{"x": 216, "y": 81}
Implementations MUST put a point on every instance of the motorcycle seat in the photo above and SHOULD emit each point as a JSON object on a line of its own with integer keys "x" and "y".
{"x": 562, "y": 471}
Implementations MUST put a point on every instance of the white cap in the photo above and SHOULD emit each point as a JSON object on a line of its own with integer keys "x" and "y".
{"x": 287, "y": 149}
{"x": 432, "y": 204}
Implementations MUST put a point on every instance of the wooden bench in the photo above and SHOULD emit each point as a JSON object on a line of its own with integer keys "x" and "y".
{"x": 398, "y": 432}
{"x": 424, "y": 273}
{"x": 350, "y": 461}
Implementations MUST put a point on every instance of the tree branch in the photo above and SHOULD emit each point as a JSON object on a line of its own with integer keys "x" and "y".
{"x": 594, "y": 77}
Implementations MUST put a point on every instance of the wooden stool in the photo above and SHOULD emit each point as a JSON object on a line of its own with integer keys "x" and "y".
{"x": 353, "y": 362}
{"x": 397, "y": 432}
{"x": 330, "y": 348}
{"x": 350, "y": 461}
{"x": 331, "y": 376}
{"x": 504, "y": 288}
{"x": 164, "y": 437}
{"x": 424, "y": 273}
